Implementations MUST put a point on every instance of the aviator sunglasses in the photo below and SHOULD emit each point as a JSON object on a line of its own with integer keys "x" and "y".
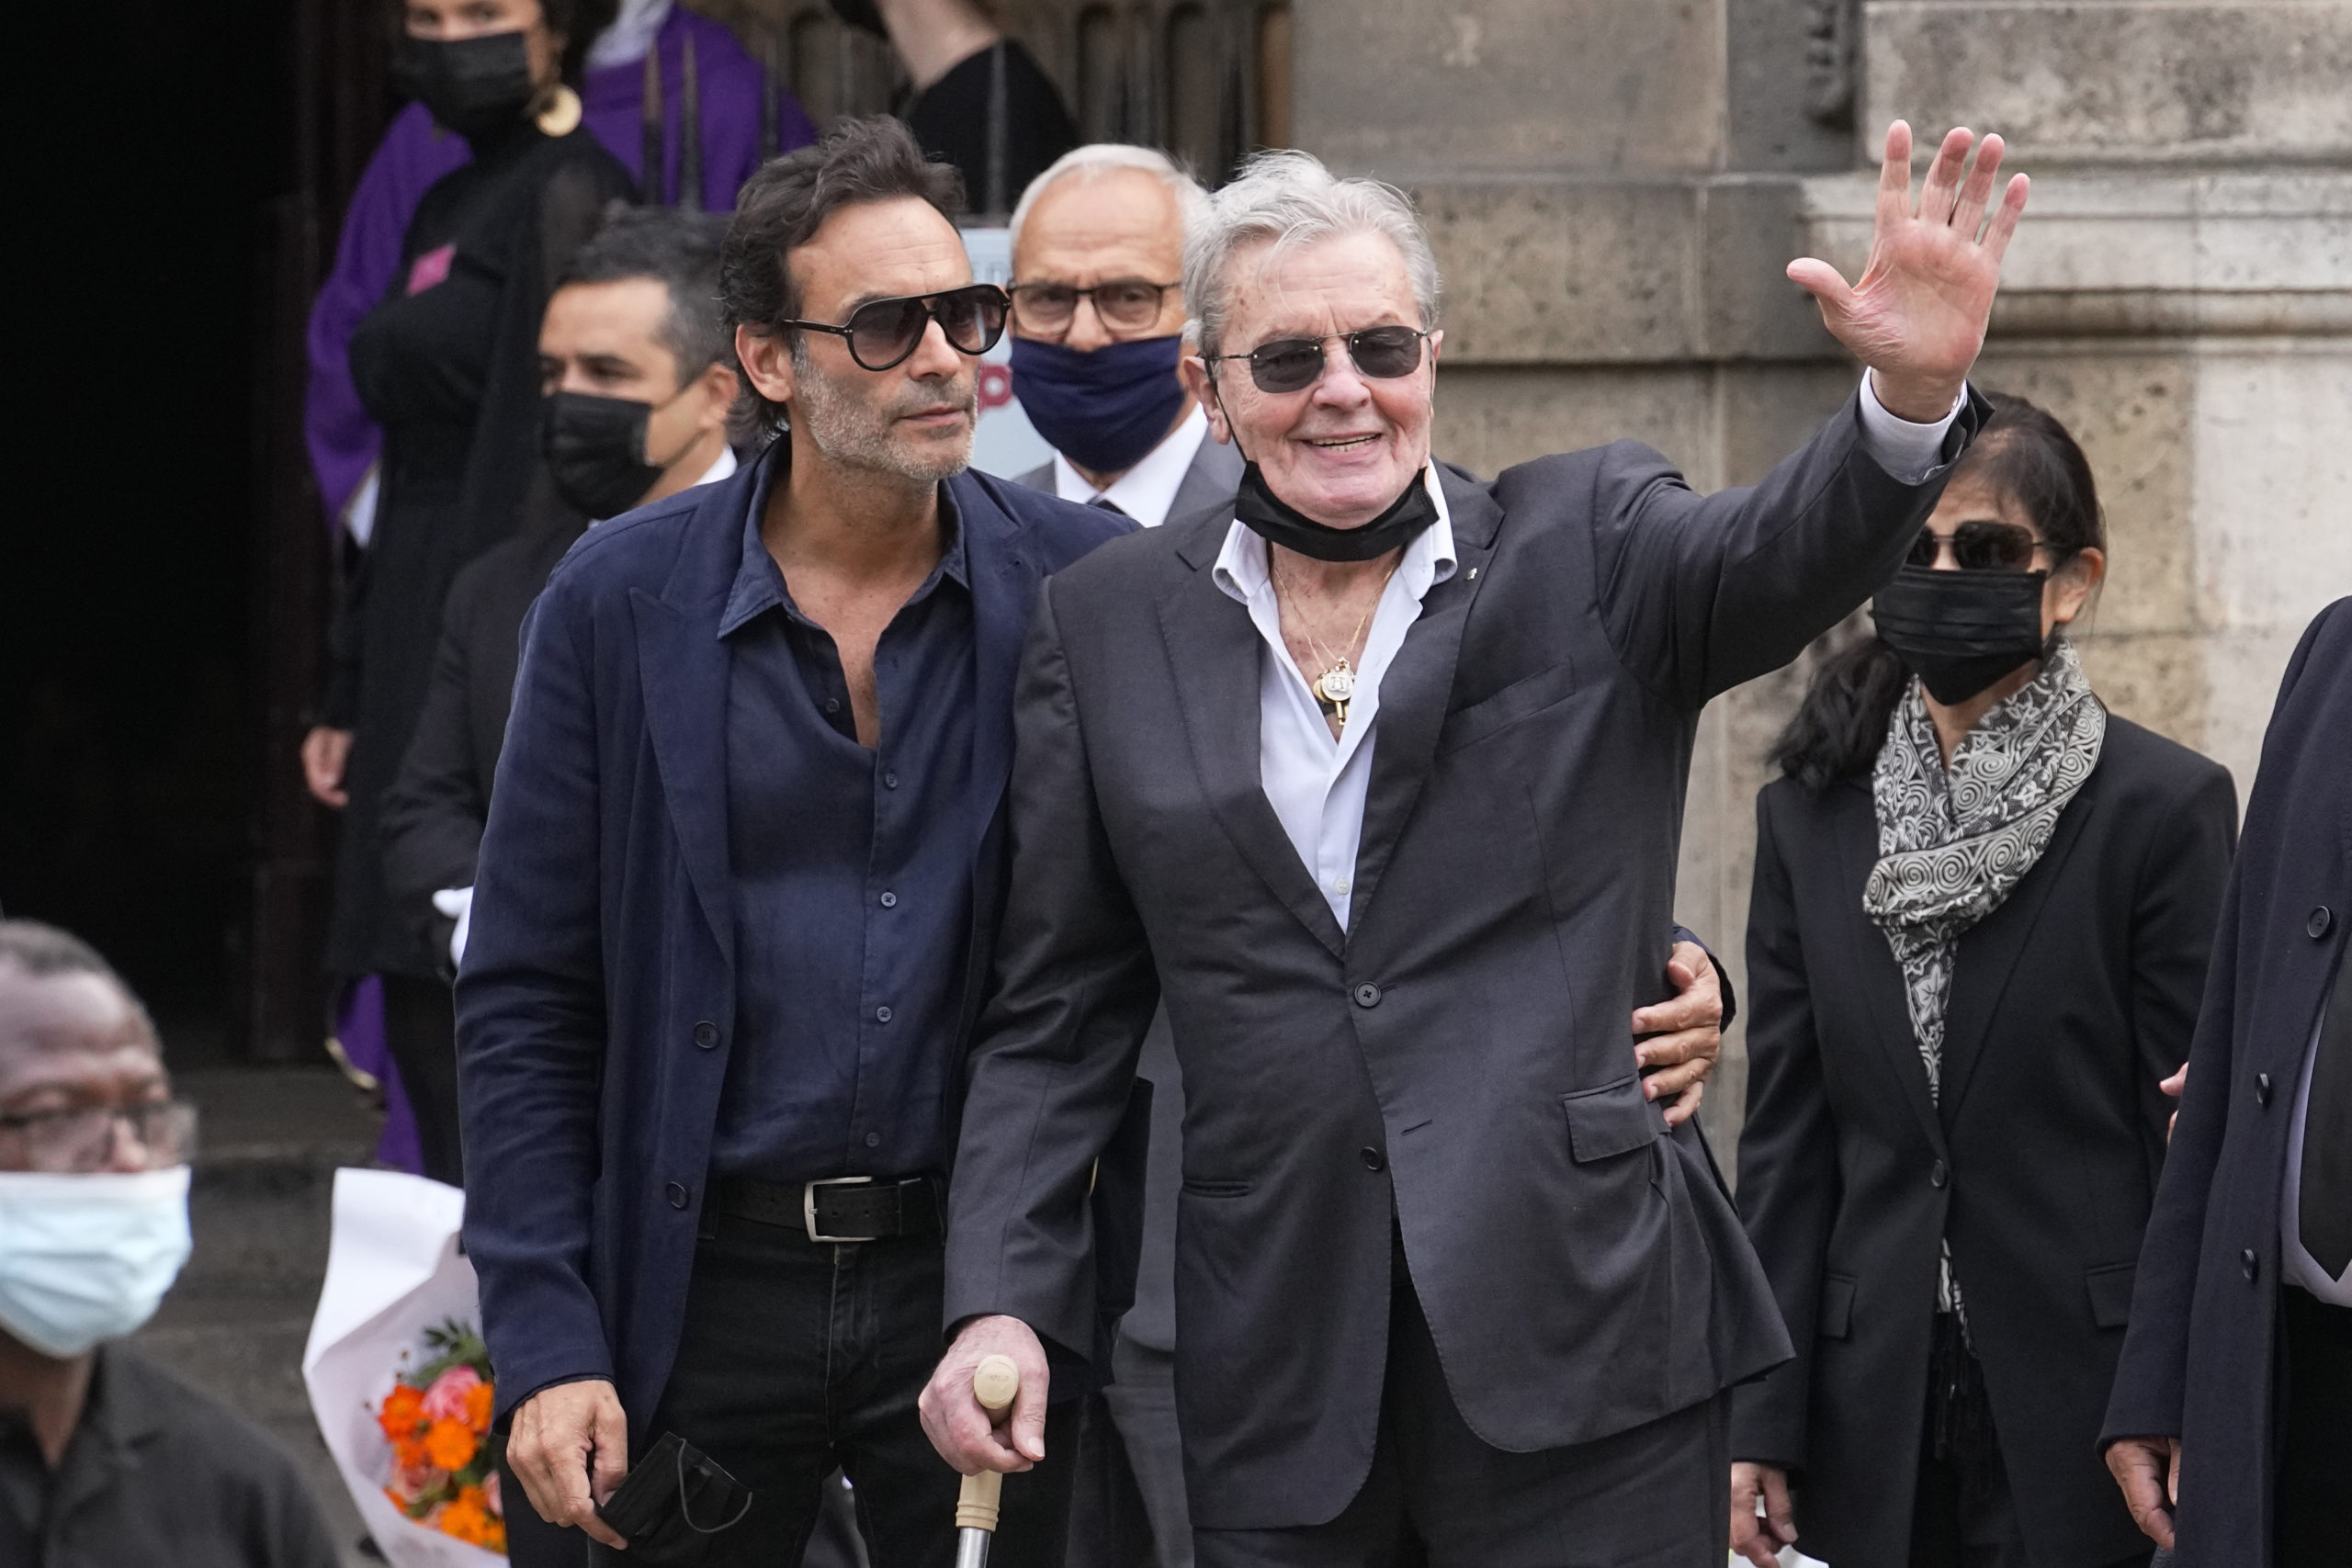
{"x": 1295, "y": 364}
{"x": 1982, "y": 547}
{"x": 883, "y": 333}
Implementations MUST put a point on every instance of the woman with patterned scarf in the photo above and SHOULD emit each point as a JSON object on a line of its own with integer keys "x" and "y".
{"x": 1976, "y": 945}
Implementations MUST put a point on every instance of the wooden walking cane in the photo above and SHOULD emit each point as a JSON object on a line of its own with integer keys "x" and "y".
{"x": 996, "y": 1382}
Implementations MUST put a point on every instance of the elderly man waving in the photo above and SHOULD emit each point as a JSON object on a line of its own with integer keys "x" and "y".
{"x": 1377, "y": 783}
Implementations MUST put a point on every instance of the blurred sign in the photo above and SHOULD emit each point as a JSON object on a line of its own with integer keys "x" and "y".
{"x": 1006, "y": 444}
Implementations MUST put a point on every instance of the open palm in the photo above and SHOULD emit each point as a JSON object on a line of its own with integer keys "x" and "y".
{"x": 1916, "y": 317}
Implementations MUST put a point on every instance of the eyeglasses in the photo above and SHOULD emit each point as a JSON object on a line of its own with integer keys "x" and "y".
{"x": 883, "y": 333}
{"x": 1982, "y": 547}
{"x": 79, "y": 1140}
{"x": 1125, "y": 304}
{"x": 1295, "y": 364}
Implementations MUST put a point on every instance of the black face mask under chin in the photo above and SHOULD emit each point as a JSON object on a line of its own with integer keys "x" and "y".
{"x": 1961, "y": 631}
{"x": 1277, "y": 521}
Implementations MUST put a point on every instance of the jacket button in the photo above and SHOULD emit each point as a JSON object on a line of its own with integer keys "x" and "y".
{"x": 676, "y": 1193}
{"x": 2249, "y": 1265}
{"x": 2321, "y": 918}
{"x": 1367, "y": 995}
{"x": 2262, "y": 1089}
{"x": 1374, "y": 1160}
{"x": 1940, "y": 1176}
{"x": 707, "y": 1036}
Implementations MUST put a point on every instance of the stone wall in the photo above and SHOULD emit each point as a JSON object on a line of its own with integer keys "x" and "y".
{"x": 1615, "y": 187}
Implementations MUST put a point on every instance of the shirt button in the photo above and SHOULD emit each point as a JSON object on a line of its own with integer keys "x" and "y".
{"x": 881, "y": 1015}
{"x": 1939, "y": 1176}
{"x": 873, "y": 1140}
{"x": 2323, "y": 918}
{"x": 1340, "y": 885}
{"x": 1367, "y": 995}
{"x": 707, "y": 1034}
{"x": 889, "y": 900}
{"x": 676, "y": 1193}
{"x": 2250, "y": 1265}
{"x": 889, "y": 780}
{"x": 2262, "y": 1088}
{"x": 833, "y": 704}
{"x": 1374, "y": 1160}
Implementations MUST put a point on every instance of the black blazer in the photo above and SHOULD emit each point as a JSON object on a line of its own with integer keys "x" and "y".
{"x": 2068, "y": 1003}
{"x": 2201, "y": 1361}
{"x": 1456, "y": 1062}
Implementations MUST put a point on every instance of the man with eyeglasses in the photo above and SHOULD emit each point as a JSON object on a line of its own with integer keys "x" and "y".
{"x": 737, "y": 897}
{"x": 1374, "y": 782}
{"x": 105, "y": 1458}
{"x": 1098, "y": 323}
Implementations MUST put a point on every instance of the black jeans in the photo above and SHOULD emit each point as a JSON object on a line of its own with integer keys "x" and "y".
{"x": 2315, "y": 1447}
{"x": 797, "y": 1356}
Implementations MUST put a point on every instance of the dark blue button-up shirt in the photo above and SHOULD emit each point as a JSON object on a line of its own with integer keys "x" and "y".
{"x": 852, "y": 878}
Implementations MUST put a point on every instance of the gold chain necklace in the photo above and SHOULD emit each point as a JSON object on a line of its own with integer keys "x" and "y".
{"x": 1336, "y": 687}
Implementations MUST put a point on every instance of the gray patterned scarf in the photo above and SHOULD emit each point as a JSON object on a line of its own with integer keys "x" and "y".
{"x": 1954, "y": 843}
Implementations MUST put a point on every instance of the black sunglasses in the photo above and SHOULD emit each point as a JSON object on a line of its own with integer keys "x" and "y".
{"x": 883, "y": 333}
{"x": 1982, "y": 547}
{"x": 1295, "y": 364}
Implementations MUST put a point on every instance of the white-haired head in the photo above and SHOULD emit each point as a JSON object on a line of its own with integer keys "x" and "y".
{"x": 1099, "y": 159}
{"x": 1282, "y": 200}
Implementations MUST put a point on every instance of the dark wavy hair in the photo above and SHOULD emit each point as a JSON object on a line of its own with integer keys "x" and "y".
{"x": 782, "y": 207}
{"x": 2022, "y": 453}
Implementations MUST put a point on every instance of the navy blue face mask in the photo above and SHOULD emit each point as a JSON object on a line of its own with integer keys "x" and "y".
{"x": 1104, "y": 410}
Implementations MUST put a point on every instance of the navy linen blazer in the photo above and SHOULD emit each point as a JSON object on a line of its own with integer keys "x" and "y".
{"x": 596, "y": 1002}
{"x": 2200, "y": 1360}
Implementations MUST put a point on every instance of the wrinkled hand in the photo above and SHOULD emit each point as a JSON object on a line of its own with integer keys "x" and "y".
{"x": 1916, "y": 318}
{"x": 324, "y": 752}
{"x": 1685, "y": 1034}
{"x": 1759, "y": 1540}
{"x": 2174, "y": 1086}
{"x": 954, "y": 1420}
{"x": 2148, "y": 1468}
{"x": 569, "y": 1447}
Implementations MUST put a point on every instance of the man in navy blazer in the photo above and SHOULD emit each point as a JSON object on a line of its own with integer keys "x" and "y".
{"x": 2230, "y": 1426}
{"x": 736, "y": 900}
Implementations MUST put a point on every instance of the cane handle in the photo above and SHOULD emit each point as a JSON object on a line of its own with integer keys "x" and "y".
{"x": 996, "y": 1382}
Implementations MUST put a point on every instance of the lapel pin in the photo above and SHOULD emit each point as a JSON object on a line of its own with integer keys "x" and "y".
{"x": 1474, "y": 574}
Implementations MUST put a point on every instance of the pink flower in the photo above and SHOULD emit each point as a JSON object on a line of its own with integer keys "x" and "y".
{"x": 490, "y": 1494}
{"x": 445, "y": 1400}
{"x": 409, "y": 1484}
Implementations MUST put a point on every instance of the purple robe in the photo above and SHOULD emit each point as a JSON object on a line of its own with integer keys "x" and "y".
{"x": 343, "y": 441}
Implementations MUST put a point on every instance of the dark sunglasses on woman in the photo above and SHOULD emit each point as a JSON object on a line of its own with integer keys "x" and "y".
{"x": 1295, "y": 364}
{"x": 882, "y": 334}
{"x": 1980, "y": 547}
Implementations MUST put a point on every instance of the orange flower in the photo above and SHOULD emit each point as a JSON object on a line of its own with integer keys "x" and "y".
{"x": 402, "y": 1407}
{"x": 450, "y": 1445}
{"x": 478, "y": 1401}
{"x": 468, "y": 1518}
{"x": 407, "y": 1454}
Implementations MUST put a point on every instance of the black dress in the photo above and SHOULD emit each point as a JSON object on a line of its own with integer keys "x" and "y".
{"x": 448, "y": 366}
{"x": 997, "y": 117}
{"x": 2039, "y": 1162}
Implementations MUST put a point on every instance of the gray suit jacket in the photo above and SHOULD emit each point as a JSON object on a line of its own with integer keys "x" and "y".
{"x": 1455, "y": 1064}
{"x": 1214, "y": 475}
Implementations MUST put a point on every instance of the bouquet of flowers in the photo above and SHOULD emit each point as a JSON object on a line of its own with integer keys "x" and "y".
{"x": 437, "y": 1418}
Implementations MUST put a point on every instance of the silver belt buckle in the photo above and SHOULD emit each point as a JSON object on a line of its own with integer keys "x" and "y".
{"x": 809, "y": 1206}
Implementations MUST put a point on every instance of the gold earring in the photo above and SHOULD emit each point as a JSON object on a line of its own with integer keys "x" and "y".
{"x": 561, "y": 116}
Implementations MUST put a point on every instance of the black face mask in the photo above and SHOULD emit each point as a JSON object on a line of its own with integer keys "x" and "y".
{"x": 596, "y": 451}
{"x": 1961, "y": 631}
{"x": 474, "y": 87}
{"x": 1277, "y": 521}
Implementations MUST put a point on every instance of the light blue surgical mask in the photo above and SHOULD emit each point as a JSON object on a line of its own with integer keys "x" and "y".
{"x": 87, "y": 1258}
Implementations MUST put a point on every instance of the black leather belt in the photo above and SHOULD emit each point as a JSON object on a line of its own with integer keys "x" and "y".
{"x": 841, "y": 1209}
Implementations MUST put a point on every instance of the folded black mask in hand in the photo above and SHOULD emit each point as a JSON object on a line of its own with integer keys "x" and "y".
{"x": 670, "y": 1505}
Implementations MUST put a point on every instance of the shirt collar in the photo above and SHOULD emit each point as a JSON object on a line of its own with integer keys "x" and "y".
{"x": 759, "y": 585}
{"x": 1147, "y": 491}
{"x": 1243, "y": 569}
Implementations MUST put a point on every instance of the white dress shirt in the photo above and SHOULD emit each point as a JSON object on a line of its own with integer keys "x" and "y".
{"x": 1146, "y": 491}
{"x": 2297, "y": 1265}
{"x": 1317, "y": 785}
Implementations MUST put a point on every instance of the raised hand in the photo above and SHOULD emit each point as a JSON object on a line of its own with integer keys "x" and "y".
{"x": 1916, "y": 317}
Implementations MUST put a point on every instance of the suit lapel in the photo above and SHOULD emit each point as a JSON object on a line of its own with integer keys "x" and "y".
{"x": 1415, "y": 689}
{"x": 1877, "y": 975}
{"x": 1213, "y": 650}
{"x": 1988, "y": 953}
{"x": 1211, "y": 480}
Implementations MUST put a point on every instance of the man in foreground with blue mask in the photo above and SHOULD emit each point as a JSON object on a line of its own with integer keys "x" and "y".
{"x": 104, "y": 1458}
{"x": 1098, "y": 322}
